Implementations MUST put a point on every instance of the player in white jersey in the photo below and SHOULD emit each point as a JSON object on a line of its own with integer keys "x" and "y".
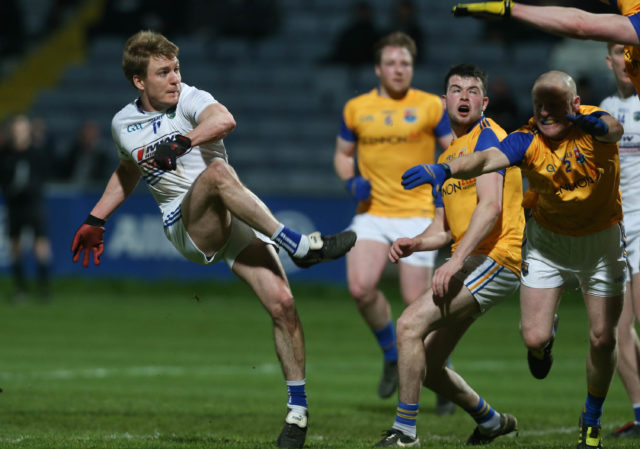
{"x": 625, "y": 106}
{"x": 171, "y": 136}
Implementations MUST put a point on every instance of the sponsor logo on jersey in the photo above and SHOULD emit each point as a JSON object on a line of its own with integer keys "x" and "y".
{"x": 389, "y": 140}
{"x": 146, "y": 152}
{"x": 366, "y": 118}
{"x": 457, "y": 185}
{"x": 410, "y": 115}
{"x": 135, "y": 127}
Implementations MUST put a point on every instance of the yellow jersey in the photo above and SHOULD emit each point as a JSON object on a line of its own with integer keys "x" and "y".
{"x": 574, "y": 182}
{"x": 631, "y": 9}
{"x": 459, "y": 197}
{"x": 393, "y": 136}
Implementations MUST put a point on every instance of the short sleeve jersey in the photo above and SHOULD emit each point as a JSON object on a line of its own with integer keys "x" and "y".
{"x": 459, "y": 197}
{"x": 575, "y": 181}
{"x": 627, "y": 111}
{"x": 137, "y": 134}
{"x": 631, "y": 9}
{"x": 393, "y": 136}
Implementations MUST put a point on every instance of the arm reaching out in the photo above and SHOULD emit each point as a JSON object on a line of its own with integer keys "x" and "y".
{"x": 89, "y": 237}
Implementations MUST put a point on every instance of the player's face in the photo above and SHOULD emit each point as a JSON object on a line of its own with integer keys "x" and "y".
{"x": 161, "y": 87}
{"x": 551, "y": 104}
{"x": 395, "y": 71}
{"x": 615, "y": 61}
{"x": 465, "y": 100}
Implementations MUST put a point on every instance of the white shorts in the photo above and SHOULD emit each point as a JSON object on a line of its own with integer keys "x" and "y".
{"x": 597, "y": 261}
{"x": 489, "y": 282}
{"x": 632, "y": 232}
{"x": 240, "y": 237}
{"x": 388, "y": 230}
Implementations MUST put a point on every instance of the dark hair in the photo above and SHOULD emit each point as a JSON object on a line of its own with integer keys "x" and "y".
{"x": 468, "y": 71}
{"x": 395, "y": 39}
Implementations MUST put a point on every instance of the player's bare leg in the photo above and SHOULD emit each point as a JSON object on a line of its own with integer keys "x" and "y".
{"x": 538, "y": 308}
{"x": 629, "y": 359}
{"x": 365, "y": 264}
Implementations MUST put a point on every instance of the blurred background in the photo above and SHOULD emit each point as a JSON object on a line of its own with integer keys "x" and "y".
{"x": 284, "y": 68}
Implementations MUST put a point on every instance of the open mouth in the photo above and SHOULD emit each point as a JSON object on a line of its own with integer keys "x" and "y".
{"x": 464, "y": 109}
{"x": 548, "y": 121}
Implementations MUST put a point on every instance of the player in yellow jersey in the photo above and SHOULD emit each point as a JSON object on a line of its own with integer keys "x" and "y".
{"x": 569, "y": 153}
{"x": 573, "y": 22}
{"x": 484, "y": 217}
{"x": 391, "y": 128}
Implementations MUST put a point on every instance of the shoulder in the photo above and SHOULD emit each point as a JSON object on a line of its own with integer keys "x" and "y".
{"x": 362, "y": 99}
{"x": 425, "y": 96}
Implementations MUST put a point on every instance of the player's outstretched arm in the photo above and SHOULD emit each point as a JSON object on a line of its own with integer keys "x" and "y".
{"x": 478, "y": 163}
{"x": 603, "y": 127}
{"x": 434, "y": 237}
{"x": 88, "y": 239}
{"x": 215, "y": 122}
{"x": 565, "y": 21}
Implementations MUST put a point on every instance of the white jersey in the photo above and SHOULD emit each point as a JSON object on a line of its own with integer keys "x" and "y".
{"x": 627, "y": 111}
{"x": 137, "y": 133}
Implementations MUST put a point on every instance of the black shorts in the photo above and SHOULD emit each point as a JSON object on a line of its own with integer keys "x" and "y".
{"x": 27, "y": 215}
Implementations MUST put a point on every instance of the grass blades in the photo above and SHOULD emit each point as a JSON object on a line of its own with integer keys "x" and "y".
{"x": 127, "y": 364}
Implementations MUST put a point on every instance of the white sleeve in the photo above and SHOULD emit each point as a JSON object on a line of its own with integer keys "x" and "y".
{"x": 193, "y": 103}
{"x": 122, "y": 153}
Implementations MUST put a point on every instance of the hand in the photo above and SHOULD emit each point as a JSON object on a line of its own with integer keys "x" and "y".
{"x": 403, "y": 247}
{"x": 88, "y": 238}
{"x": 590, "y": 123}
{"x": 359, "y": 188}
{"x": 166, "y": 153}
{"x": 442, "y": 277}
{"x": 483, "y": 9}
{"x": 434, "y": 174}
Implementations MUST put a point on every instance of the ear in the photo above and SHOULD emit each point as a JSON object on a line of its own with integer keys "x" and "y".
{"x": 444, "y": 102}
{"x": 485, "y": 103}
{"x": 377, "y": 68}
{"x": 138, "y": 82}
{"x": 576, "y": 104}
{"x": 609, "y": 62}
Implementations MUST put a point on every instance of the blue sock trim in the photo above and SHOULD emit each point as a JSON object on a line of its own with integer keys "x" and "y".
{"x": 387, "y": 341}
{"x": 407, "y": 414}
{"x": 636, "y": 412}
{"x": 297, "y": 393}
{"x": 482, "y": 412}
{"x": 592, "y": 410}
{"x": 287, "y": 239}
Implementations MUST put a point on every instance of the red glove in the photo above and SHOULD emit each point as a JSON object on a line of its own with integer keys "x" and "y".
{"x": 89, "y": 238}
{"x": 167, "y": 153}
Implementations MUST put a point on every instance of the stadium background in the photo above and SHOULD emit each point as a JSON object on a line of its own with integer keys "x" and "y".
{"x": 272, "y": 67}
{"x": 124, "y": 356}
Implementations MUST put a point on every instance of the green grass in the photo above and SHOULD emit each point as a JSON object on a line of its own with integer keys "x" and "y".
{"x": 192, "y": 365}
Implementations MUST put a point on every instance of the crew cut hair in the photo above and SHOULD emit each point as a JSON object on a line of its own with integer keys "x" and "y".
{"x": 140, "y": 48}
{"x": 468, "y": 71}
{"x": 395, "y": 39}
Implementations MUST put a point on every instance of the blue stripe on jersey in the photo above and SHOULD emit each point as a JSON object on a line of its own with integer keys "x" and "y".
{"x": 472, "y": 281}
{"x": 515, "y": 145}
{"x": 488, "y": 139}
{"x": 635, "y": 21}
{"x": 346, "y": 133}
{"x": 444, "y": 127}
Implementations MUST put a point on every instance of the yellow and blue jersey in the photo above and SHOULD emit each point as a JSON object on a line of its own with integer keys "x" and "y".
{"x": 573, "y": 182}
{"x": 459, "y": 197}
{"x": 393, "y": 136}
{"x": 631, "y": 9}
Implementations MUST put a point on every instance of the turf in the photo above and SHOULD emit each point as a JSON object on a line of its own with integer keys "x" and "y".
{"x": 126, "y": 364}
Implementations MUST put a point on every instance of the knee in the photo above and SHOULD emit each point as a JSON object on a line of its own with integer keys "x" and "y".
{"x": 603, "y": 340}
{"x": 363, "y": 294}
{"x": 218, "y": 173}
{"x": 282, "y": 306}
{"x": 535, "y": 339}
{"x": 407, "y": 329}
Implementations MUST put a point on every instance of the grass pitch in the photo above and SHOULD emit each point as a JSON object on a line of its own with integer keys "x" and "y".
{"x": 128, "y": 364}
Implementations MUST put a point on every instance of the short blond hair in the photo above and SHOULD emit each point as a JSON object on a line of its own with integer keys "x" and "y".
{"x": 140, "y": 48}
